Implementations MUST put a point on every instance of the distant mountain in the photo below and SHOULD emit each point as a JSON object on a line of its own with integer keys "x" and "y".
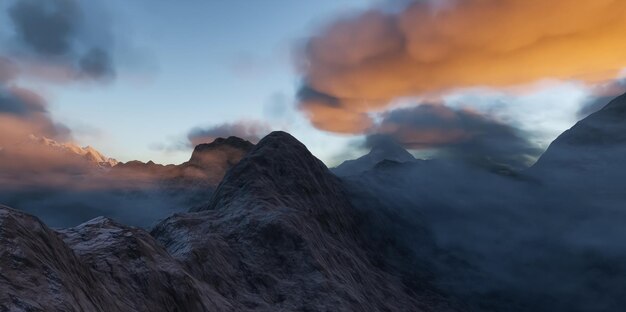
{"x": 194, "y": 180}
{"x": 550, "y": 238}
{"x": 212, "y": 160}
{"x": 87, "y": 153}
{"x": 383, "y": 150}
{"x": 34, "y": 158}
{"x": 208, "y": 163}
{"x": 65, "y": 184}
{"x": 278, "y": 234}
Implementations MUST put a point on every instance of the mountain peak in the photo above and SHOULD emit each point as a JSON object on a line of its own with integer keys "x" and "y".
{"x": 281, "y": 216}
{"x": 231, "y": 141}
{"x": 278, "y": 164}
{"x": 382, "y": 150}
{"x": 283, "y": 145}
{"x": 391, "y": 150}
{"x": 88, "y": 153}
{"x": 616, "y": 106}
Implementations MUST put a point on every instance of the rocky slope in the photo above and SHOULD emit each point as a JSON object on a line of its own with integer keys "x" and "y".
{"x": 39, "y": 272}
{"x": 278, "y": 234}
{"x": 288, "y": 239}
{"x": 97, "y": 266}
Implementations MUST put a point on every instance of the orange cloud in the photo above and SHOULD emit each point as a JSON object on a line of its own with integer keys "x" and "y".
{"x": 337, "y": 119}
{"x": 367, "y": 60}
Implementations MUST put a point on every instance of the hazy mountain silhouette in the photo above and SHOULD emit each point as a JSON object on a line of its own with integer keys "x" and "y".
{"x": 546, "y": 239}
{"x": 135, "y": 192}
{"x": 589, "y": 156}
{"x": 382, "y": 150}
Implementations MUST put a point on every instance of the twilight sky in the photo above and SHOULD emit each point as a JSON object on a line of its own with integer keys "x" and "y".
{"x": 148, "y": 79}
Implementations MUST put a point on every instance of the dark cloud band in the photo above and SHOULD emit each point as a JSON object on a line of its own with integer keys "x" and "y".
{"x": 50, "y": 32}
{"x": 457, "y": 133}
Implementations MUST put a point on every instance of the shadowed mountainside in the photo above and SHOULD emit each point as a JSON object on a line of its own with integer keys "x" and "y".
{"x": 589, "y": 156}
{"x": 546, "y": 239}
{"x": 279, "y": 233}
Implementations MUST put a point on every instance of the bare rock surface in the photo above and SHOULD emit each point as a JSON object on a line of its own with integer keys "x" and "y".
{"x": 39, "y": 272}
{"x": 279, "y": 234}
{"x": 139, "y": 272}
{"x": 287, "y": 239}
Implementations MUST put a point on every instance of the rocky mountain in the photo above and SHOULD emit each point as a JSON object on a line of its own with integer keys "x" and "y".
{"x": 97, "y": 266}
{"x": 87, "y": 153}
{"x": 196, "y": 178}
{"x": 207, "y": 165}
{"x": 33, "y": 159}
{"x": 209, "y": 162}
{"x": 278, "y": 234}
{"x": 288, "y": 239}
{"x": 64, "y": 188}
{"x": 382, "y": 150}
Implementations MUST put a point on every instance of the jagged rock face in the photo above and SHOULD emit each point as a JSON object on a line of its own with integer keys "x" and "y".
{"x": 39, "y": 272}
{"x": 97, "y": 266}
{"x": 280, "y": 234}
{"x": 138, "y": 271}
{"x": 384, "y": 150}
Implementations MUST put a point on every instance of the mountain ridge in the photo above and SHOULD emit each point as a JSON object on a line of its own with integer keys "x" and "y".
{"x": 287, "y": 218}
{"x": 278, "y": 233}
